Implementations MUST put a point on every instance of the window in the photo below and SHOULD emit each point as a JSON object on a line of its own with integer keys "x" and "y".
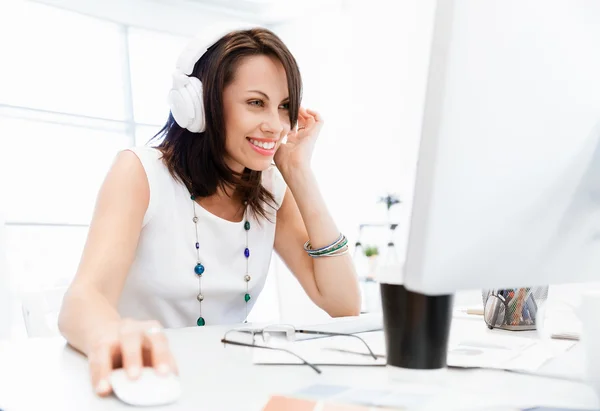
{"x": 152, "y": 58}
{"x": 75, "y": 91}
{"x": 53, "y": 171}
{"x": 61, "y": 61}
{"x": 44, "y": 257}
{"x": 143, "y": 134}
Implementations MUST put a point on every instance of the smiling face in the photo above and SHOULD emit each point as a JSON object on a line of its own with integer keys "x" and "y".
{"x": 256, "y": 113}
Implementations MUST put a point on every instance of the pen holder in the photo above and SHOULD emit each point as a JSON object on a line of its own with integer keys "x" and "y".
{"x": 513, "y": 309}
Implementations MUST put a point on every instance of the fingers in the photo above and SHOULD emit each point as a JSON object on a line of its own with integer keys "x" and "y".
{"x": 100, "y": 360}
{"x": 132, "y": 345}
{"x": 310, "y": 122}
{"x": 308, "y": 113}
{"x": 308, "y": 118}
{"x": 131, "y": 348}
{"x": 301, "y": 121}
{"x": 315, "y": 115}
{"x": 160, "y": 355}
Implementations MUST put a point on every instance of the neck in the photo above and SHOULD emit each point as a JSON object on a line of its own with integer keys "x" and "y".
{"x": 224, "y": 205}
{"x": 227, "y": 193}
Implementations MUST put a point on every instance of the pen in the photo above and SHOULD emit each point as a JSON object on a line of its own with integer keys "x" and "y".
{"x": 472, "y": 311}
{"x": 565, "y": 336}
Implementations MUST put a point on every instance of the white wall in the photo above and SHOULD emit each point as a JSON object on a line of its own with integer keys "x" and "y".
{"x": 5, "y": 290}
{"x": 189, "y": 17}
{"x": 364, "y": 68}
{"x": 6, "y": 295}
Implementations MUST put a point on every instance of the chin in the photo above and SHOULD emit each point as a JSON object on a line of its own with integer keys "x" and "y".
{"x": 259, "y": 165}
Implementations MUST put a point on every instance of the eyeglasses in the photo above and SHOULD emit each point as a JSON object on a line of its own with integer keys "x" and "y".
{"x": 289, "y": 333}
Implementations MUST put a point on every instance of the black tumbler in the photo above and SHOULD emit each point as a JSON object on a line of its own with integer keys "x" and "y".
{"x": 417, "y": 327}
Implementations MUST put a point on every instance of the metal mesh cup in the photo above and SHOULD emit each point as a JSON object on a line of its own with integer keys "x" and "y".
{"x": 513, "y": 309}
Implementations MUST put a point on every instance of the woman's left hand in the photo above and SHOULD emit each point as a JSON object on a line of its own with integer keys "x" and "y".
{"x": 296, "y": 154}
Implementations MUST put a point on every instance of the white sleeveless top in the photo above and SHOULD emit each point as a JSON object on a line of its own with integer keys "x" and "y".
{"x": 162, "y": 285}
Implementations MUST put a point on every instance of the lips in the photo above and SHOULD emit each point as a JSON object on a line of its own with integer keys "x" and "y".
{"x": 265, "y": 144}
{"x": 265, "y": 147}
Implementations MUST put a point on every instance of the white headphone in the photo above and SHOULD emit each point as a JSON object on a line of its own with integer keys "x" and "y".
{"x": 185, "y": 98}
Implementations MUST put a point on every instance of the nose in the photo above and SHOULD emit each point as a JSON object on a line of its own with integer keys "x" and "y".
{"x": 272, "y": 124}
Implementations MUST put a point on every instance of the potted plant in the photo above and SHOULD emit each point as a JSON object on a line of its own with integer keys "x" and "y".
{"x": 372, "y": 254}
{"x": 389, "y": 200}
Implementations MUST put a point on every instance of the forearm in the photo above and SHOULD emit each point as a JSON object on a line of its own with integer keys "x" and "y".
{"x": 335, "y": 277}
{"x": 83, "y": 316}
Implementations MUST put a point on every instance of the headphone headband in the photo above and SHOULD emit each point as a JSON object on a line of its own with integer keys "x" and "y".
{"x": 191, "y": 54}
{"x": 202, "y": 42}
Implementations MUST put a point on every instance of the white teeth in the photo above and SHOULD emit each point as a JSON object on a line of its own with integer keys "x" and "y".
{"x": 263, "y": 144}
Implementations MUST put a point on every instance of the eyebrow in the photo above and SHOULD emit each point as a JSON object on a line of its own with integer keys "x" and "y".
{"x": 264, "y": 95}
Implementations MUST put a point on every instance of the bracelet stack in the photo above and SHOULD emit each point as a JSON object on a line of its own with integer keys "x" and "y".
{"x": 339, "y": 247}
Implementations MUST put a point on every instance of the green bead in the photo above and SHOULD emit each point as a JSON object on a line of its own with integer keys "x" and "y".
{"x": 200, "y": 322}
{"x": 193, "y": 197}
{"x": 247, "y": 225}
{"x": 247, "y": 297}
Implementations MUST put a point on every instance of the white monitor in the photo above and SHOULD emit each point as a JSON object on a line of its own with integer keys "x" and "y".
{"x": 507, "y": 192}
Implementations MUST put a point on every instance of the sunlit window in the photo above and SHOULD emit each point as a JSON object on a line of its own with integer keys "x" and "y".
{"x": 152, "y": 58}
{"x": 61, "y": 61}
{"x": 75, "y": 91}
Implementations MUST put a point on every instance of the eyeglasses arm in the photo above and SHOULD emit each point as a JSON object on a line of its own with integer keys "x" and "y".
{"x": 333, "y": 334}
{"x": 241, "y": 344}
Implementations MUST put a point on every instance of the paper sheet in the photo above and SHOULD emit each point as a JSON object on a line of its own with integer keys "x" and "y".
{"x": 484, "y": 351}
{"x": 408, "y": 396}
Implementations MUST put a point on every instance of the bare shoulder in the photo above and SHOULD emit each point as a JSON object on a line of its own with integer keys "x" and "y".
{"x": 128, "y": 166}
{"x": 115, "y": 227}
{"x": 128, "y": 163}
{"x": 126, "y": 180}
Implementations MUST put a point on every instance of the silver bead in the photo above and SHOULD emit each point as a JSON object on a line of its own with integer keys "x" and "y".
{"x": 195, "y": 220}
{"x": 200, "y": 297}
{"x": 247, "y": 278}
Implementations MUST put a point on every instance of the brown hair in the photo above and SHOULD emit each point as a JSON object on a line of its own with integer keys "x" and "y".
{"x": 198, "y": 159}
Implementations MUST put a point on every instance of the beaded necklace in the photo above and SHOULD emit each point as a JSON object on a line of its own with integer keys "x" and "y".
{"x": 199, "y": 269}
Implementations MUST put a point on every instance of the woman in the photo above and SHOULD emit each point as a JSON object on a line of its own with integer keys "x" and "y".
{"x": 182, "y": 234}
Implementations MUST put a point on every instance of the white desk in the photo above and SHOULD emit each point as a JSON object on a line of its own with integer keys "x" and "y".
{"x": 47, "y": 374}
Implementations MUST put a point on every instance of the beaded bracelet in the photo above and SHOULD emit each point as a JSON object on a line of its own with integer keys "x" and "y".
{"x": 339, "y": 243}
{"x": 308, "y": 246}
{"x": 336, "y": 248}
{"x": 334, "y": 254}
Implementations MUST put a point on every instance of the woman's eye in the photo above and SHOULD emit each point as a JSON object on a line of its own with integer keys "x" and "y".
{"x": 256, "y": 103}
{"x": 285, "y": 106}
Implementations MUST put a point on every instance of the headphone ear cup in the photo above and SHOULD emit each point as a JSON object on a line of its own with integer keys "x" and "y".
{"x": 180, "y": 102}
{"x": 195, "y": 90}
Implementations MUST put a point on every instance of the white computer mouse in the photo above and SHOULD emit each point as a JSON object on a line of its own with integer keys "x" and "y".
{"x": 149, "y": 389}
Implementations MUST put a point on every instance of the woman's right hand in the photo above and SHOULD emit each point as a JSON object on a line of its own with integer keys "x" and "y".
{"x": 131, "y": 345}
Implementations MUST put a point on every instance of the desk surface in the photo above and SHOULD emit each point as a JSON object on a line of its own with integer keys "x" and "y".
{"x": 48, "y": 374}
